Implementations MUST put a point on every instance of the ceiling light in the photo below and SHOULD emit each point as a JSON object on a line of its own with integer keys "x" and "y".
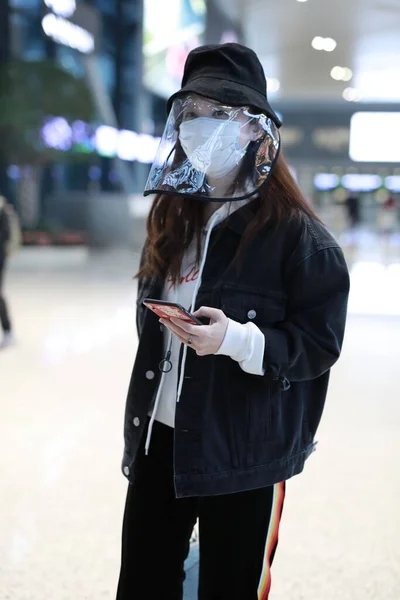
{"x": 337, "y": 73}
{"x": 318, "y": 43}
{"x": 302, "y": 0}
{"x": 327, "y": 44}
{"x": 341, "y": 73}
{"x": 273, "y": 85}
{"x": 347, "y": 74}
{"x": 330, "y": 44}
{"x": 351, "y": 95}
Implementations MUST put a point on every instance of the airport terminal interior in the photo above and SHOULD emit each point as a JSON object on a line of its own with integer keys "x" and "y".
{"x": 334, "y": 78}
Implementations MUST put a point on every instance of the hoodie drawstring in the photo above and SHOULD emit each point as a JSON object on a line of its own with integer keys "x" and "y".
{"x": 166, "y": 360}
{"x": 196, "y": 289}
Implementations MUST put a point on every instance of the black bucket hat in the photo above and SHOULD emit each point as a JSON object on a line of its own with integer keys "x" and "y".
{"x": 229, "y": 73}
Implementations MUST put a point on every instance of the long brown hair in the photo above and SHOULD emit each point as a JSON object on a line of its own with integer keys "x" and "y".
{"x": 174, "y": 222}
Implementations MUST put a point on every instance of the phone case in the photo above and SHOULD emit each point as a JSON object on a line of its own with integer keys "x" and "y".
{"x": 167, "y": 312}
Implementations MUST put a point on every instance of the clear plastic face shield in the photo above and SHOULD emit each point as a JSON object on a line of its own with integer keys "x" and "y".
{"x": 211, "y": 152}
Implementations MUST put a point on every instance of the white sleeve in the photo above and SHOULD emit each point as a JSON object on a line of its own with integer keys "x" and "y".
{"x": 246, "y": 345}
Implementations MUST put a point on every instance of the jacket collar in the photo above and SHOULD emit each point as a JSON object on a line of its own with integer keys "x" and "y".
{"x": 239, "y": 219}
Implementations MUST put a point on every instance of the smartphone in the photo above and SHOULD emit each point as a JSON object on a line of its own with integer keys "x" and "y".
{"x": 167, "y": 310}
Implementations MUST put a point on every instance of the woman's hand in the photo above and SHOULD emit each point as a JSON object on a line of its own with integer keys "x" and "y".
{"x": 204, "y": 339}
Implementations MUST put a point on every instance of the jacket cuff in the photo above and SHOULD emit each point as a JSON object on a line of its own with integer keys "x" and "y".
{"x": 276, "y": 351}
{"x": 246, "y": 345}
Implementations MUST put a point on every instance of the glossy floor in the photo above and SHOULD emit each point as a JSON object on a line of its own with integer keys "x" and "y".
{"x": 62, "y": 394}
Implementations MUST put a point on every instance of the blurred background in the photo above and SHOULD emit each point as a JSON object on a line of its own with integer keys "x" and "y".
{"x": 83, "y": 90}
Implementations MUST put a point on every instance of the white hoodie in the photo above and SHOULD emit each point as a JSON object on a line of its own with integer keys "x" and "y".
{"x": 243, "y": 343}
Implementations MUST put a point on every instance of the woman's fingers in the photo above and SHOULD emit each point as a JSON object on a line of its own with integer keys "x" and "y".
{"x": 172, "y": 327}
{"x": 204, "y": 339}
{"x": 180, "y": 333}
{"x": 180, "y": 338}
{"x": 215, "y": 314}
{"x": 185, "y": 326}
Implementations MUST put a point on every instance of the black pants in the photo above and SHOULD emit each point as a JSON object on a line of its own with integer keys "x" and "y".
{"x": 238, "y": 534}
{"x": 4, "y": 318}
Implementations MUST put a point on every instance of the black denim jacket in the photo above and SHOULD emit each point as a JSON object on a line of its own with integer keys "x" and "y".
{"x": 235, "y": 431}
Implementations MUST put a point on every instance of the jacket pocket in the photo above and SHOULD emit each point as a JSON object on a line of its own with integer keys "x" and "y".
{"x": 245, "y": 305}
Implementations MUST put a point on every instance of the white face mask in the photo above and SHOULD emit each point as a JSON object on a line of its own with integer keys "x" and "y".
{"x": 212, "y": 145}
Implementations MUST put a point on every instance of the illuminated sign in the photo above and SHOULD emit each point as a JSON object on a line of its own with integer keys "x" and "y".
{"x": 352, "y": 182}
{"x": 125, "y": 144}
{"x": 374, "y": 137}
{"x": 64, "y": 8}
{"x": 361, "y": 182}
{"x": 107, "y": 141}
{"x": 326, "y": 181}
{"x": 392, "y": 183}
{"x": 58, "y": 26}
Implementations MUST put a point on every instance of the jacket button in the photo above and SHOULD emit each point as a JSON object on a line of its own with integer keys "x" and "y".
{"x": 136, "y": 421}
{"x": 150, "y": 374}
{"x": 126, "y": 471}
{"x": 252, "y": 314}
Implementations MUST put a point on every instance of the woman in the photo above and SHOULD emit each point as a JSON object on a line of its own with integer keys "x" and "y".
{"x": 220, "y": 415}
{"x": 387, "y": 217}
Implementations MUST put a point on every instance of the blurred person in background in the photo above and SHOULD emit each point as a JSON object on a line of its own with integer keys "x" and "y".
{"x": 5, "y": 240}
{"x": 387, "y": 216}
{"x": 215, "y": 428}
{"x": 353, "y": 210}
